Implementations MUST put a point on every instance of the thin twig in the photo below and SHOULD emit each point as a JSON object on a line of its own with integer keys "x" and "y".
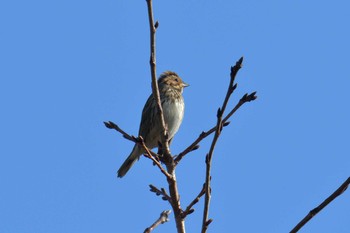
{"x": 164, "y": 217}
{"x": 316, "y": 210}
{"x": 111, "y": 125}
{"x": 219, "y": 126}
{"x": 189, "y": 209}
{"x": 149, "y": 155}
{"x": 162, "y": 191}
{"x": 246, "y": 98}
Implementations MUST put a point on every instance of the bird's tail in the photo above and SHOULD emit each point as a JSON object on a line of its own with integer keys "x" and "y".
{"x": 132, "y": 158}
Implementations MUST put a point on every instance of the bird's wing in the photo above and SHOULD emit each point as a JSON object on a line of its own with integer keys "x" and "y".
{"x": 149, "y": 125}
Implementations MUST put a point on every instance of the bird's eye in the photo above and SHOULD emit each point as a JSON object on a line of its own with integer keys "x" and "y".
{"x": 176, "y": 80}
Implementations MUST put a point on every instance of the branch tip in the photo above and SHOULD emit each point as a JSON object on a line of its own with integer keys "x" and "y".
{"x": 106, "y": 124}
{"x": 253, "y": 95}
{"x": 237, "y": 66}
{"x": 250, "y": 97}
{"x": 109, "y": 124}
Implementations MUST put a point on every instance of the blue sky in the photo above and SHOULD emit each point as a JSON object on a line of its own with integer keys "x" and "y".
{"x": 67, "y": 66}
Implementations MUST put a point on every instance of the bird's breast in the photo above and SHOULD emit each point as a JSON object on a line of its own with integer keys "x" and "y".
{"x": 173, "y": 114}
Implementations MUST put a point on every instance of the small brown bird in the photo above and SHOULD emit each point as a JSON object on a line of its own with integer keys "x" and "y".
{"x": 170, "y": 89}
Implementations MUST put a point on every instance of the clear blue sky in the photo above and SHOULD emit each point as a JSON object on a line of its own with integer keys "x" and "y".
{"x": 67, "y": 66}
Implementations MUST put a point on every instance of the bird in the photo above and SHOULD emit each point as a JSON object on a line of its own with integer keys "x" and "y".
{"x": 170, "y": 87}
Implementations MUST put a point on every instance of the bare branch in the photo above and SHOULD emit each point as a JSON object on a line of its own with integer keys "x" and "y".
{"x": 164, "y": 217}
{"x": 155, "y": 90}
{"x": 189, "y": 209}
{"x": 218, "y": 128}
{"x": 151, "y": 155}
{"x": 231, "y": 86}
{"x": 167, "y": 158}
{"x": 161, "y": 191}
{"x": 111, "y": 125}
{"x": 316, "y": 210}
{"x": 246, "y": 98}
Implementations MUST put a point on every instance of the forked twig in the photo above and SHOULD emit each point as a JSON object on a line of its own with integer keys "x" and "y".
{"x": 149, "y": 155}
{"x": 139, "y": 140}
{"x": 246, "y": 98}
{"x": 218, "y": 128}
{"x": 316, "y": 210}
{"x": 162, "y": 191}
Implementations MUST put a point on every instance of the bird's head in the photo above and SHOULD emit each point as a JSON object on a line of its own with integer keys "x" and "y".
{"x": 171, "y": 79}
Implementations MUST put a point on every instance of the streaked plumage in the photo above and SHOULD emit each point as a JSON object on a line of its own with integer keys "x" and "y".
{"x": 170, "y": 89}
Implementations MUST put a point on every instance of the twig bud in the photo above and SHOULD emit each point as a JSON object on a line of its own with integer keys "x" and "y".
{"x": 219, "y": 113}
{"x": 207, "y": 159}
{"x": 244, "y": 98}
{"x": 195, "y": 147}
{"x": 252, "y": 96}
{"x": 208, "y": 222}
{"x": 226, "y": 123}
{"x": 234, "y": 87}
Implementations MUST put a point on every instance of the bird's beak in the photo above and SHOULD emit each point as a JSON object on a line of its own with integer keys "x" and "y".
{"x": 185, "y": 84}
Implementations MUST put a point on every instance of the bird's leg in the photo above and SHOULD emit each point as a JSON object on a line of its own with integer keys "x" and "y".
{"x": 160, "y": 152}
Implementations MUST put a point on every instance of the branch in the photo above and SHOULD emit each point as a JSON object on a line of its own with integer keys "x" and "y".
{"x": 139, "y": 140}
{"x": 189, "y": 209}
{"x": 164, "y": 217}
{"x": 168, "y": 159}
{"x": 111, "y": 125}
{"x": 218, "y": 128}
{"x": 155, "y": 89}
{"x": 162, "y": 192}
{"x": 316, "y": 210}
{"x": 195, "y": 145}
{"x": 151, "y": 155}
{"x": 245, "y": 98}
